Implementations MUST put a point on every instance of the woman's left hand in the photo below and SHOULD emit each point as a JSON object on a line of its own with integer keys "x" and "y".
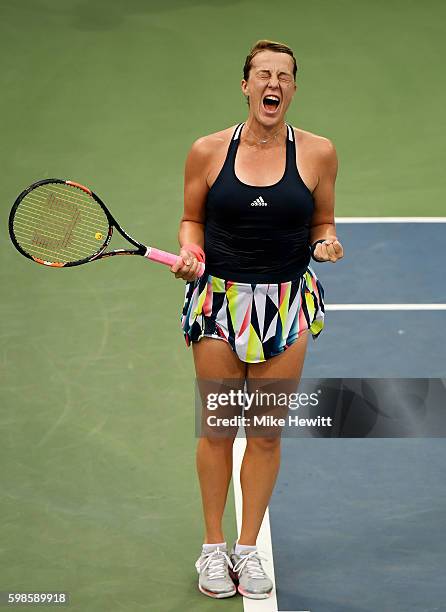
{"x": 329, "y": 250}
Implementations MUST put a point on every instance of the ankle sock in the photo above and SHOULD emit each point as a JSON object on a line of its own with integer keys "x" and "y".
{"x": 238, "y": 548}
{"x": 207, "y": 548}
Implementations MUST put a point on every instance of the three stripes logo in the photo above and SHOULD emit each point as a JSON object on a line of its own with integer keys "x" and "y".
{"x": 259, "y": 202}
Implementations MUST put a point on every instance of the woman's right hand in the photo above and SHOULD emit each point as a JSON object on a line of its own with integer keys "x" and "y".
{"x": 187, "y": 267}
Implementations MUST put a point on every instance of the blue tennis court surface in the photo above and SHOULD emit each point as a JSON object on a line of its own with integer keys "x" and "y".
{"x": 374, "y": 344}
{"x": 358, "y": 524}
{"x": 387, "y": 262}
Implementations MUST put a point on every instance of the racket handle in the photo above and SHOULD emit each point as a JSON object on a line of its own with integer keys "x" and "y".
{"x": 168, "y": 259}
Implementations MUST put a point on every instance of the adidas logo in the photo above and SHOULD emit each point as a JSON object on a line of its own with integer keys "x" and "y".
{"x": 259, "y": 202}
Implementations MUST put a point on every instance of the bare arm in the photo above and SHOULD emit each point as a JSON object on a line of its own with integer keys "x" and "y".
{"x": 192, "y": 222}
{"x": 323, "y": 220}
{"x": 195, "y": 192}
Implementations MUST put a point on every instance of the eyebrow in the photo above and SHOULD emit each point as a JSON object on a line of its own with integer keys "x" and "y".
{"x": 267, "y": 70}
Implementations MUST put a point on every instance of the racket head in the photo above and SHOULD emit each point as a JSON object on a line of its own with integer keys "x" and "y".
{"x": 60, "y": 223}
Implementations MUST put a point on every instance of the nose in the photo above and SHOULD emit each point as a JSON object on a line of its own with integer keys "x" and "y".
{"x": 274, "y": 81}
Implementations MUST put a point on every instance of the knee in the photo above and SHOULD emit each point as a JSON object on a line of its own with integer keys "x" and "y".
{"x": 217, "y": 444}
{"x": 264, "y": 445}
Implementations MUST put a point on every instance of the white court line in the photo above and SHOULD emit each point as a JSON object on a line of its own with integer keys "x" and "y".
{"x": 385, "y": 306}
{"x": 263, "y": 540}
{"x": 390, "y": 219}
{"x": 264, "y": 543}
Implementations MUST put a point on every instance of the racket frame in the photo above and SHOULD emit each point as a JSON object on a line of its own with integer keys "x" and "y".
{"x": 99, "y": 254}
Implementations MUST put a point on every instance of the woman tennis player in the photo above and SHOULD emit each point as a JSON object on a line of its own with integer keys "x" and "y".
{"x": 259, "y": 203}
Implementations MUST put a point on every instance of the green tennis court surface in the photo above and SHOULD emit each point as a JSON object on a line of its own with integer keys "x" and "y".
{"x": 99, "y": 496}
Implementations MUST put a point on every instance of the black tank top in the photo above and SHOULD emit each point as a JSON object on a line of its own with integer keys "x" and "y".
{"x": 258, "y": 234}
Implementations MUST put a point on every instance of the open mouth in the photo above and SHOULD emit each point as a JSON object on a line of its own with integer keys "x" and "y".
{"x": 271, "y": 103}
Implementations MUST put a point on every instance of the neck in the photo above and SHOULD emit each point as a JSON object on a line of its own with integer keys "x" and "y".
{"x": 261, "y": 135}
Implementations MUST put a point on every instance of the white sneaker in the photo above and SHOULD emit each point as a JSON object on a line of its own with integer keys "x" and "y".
{"x": 248, "y": 573}
{"x": 213, "y": 569}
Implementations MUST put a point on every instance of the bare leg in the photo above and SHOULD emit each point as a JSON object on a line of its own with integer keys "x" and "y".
{"x": 261, "y": 461}
{"x": 214, "y": 359}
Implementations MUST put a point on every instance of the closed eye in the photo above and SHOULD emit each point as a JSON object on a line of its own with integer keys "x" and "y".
{"x": 283, "y": 76}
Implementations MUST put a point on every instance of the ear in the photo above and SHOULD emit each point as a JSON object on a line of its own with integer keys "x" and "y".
{"x": 245, "y": 87}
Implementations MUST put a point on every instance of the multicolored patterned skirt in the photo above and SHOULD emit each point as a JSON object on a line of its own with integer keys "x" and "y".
{"x": 259, "y": 321}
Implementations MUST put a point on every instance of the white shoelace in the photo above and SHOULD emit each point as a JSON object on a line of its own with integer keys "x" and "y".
{"x": 214, "y": 562}
{"x": 252, "y": 561}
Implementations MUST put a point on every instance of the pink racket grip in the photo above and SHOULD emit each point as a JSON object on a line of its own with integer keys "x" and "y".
{"x": 168, "y": 259}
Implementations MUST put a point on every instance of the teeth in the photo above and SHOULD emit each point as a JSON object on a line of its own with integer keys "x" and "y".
{"x": 274, "y": 98}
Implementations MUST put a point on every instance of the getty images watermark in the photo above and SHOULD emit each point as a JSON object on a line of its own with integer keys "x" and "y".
{"x": 335, "y": 407}
{"x": 254, "y": 404}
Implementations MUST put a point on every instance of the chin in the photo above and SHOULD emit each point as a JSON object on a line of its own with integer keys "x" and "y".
{"x": 270, "y": 120}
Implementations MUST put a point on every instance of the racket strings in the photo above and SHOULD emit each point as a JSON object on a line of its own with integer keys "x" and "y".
{"x": 45, "y": 198}
{"x": 53, "y": 223}
{"x": 75, "y": 252}
{"x": 55, "y": 230}
{"x": 60, "y": 224}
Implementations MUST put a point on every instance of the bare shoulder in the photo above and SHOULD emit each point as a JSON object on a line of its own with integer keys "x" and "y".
{"x": 208, "y": 146}
{"x": 314, "y": 144}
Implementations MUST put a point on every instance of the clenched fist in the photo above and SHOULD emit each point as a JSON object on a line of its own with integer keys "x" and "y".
{"x": 329, "y": 250}
{"x": 188, "y": 266}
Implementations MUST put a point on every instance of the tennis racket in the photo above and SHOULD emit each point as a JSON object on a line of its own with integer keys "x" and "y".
{"x": 61, "y": 223}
